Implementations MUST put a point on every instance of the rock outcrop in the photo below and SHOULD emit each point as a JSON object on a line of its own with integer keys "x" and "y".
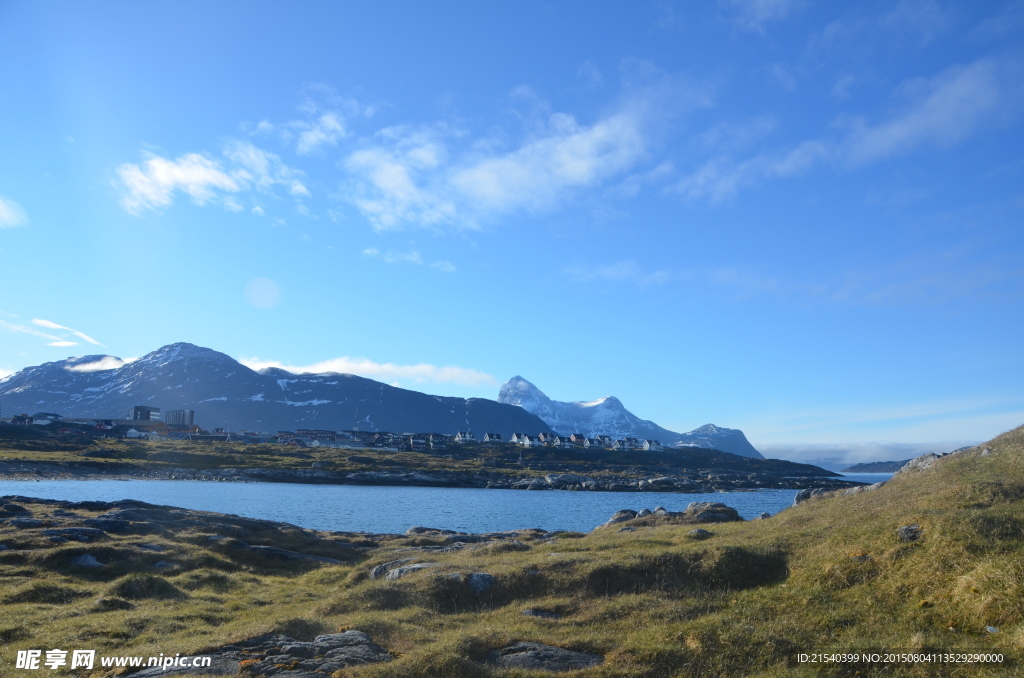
{"x": 526, "y": 655}
{"x": 696, "y": 512}
{"x": 280, "y": 655}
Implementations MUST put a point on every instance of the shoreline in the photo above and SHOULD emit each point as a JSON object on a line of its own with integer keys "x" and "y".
{"x": 28, "y": 471}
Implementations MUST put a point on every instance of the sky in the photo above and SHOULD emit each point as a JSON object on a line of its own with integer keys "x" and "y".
{"x": 803, "y": 220}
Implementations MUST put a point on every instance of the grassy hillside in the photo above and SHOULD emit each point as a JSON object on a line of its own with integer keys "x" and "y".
{"x": 829, "y": 575}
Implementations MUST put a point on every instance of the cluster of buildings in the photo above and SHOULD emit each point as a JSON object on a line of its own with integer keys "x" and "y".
{"x": 143, "y": 421}
{"x": 418, "y": 442}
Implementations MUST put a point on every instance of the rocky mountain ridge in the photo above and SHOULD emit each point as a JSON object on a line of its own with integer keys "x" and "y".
{"x": 226, "y": 394}
{"x": 608, "y": 416}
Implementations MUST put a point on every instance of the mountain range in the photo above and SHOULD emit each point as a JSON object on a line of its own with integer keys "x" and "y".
{"x": 224, "y": 393}
{"x": 608, "y": 416}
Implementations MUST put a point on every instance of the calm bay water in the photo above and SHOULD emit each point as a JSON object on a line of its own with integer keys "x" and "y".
{"x": 359, "y": 508}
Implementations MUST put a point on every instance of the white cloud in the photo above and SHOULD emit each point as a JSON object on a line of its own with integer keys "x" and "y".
{"x": 938, "y": 112}
{"x": 63, "y": 343}
{"x": 324, "y": 124}
{"x": 569, "y": 156}
{"x": 4, "y": 373}
{"x": 11, "y": 214}
{"x": 438, "y": 176}
{"x": 261, "y": 170}
{"x": 422, "y": 373}
{"x": 154, "y": 183}
{"x": 258, "y": 211}
{"x": 108, "y": 362}
{"x": 384, "y": 186}
{"x": 326, "y": 130}
{"x": 54, "y": 326}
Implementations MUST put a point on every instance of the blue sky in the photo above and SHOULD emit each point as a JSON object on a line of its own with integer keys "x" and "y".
{"x": 799, "y": 219}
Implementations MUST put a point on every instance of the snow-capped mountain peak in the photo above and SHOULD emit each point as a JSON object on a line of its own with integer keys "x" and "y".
{"x": 608, "y": 416}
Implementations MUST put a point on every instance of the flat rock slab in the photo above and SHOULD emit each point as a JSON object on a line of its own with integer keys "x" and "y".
{"x": 525, "y": 655}
{"x": 77, "y": 533}
{"x": 24, "y": 523}
{"x": 400, "y": 572}
{"x": 280, "y": 656}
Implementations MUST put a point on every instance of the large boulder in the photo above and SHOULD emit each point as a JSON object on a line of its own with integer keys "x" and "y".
{"x": 711, "y": 512}
{"x": 925, "y": 461}
{"x": 622, "y": 516}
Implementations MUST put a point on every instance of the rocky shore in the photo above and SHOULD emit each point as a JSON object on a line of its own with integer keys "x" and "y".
{"x": 711, "y": 480}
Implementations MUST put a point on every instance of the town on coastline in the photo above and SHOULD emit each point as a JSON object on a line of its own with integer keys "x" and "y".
{"x": 146, "y": 422}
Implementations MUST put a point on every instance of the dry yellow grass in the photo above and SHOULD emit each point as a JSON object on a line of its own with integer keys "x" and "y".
{"x": 829, "y": 575}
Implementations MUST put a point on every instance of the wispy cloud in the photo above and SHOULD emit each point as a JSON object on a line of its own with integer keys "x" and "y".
{"x": 862, "y": 30}
{"x": 54, "y": 326}
{"x": 409, "y": 179}
{"x": 754, "y": 15}
{"x": 59, "y": 340}
{"x": 24, "y": 329}
{"x": 4, "y": 373}
{"x": 928, "y": 276}
{"x": 621, "y": 271}
{"x": 439, "y": 176}
{"x": 941, "y": 111}
{"x": 924, "y": 18}
{"x": 154, "y": 183}
{"x": 410, "y": 257}
{"x": 421, "y": 373}
{"x": 325, "y": 121}
{"x": 11, "y": 214}
{"x": 936, "y": 112}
